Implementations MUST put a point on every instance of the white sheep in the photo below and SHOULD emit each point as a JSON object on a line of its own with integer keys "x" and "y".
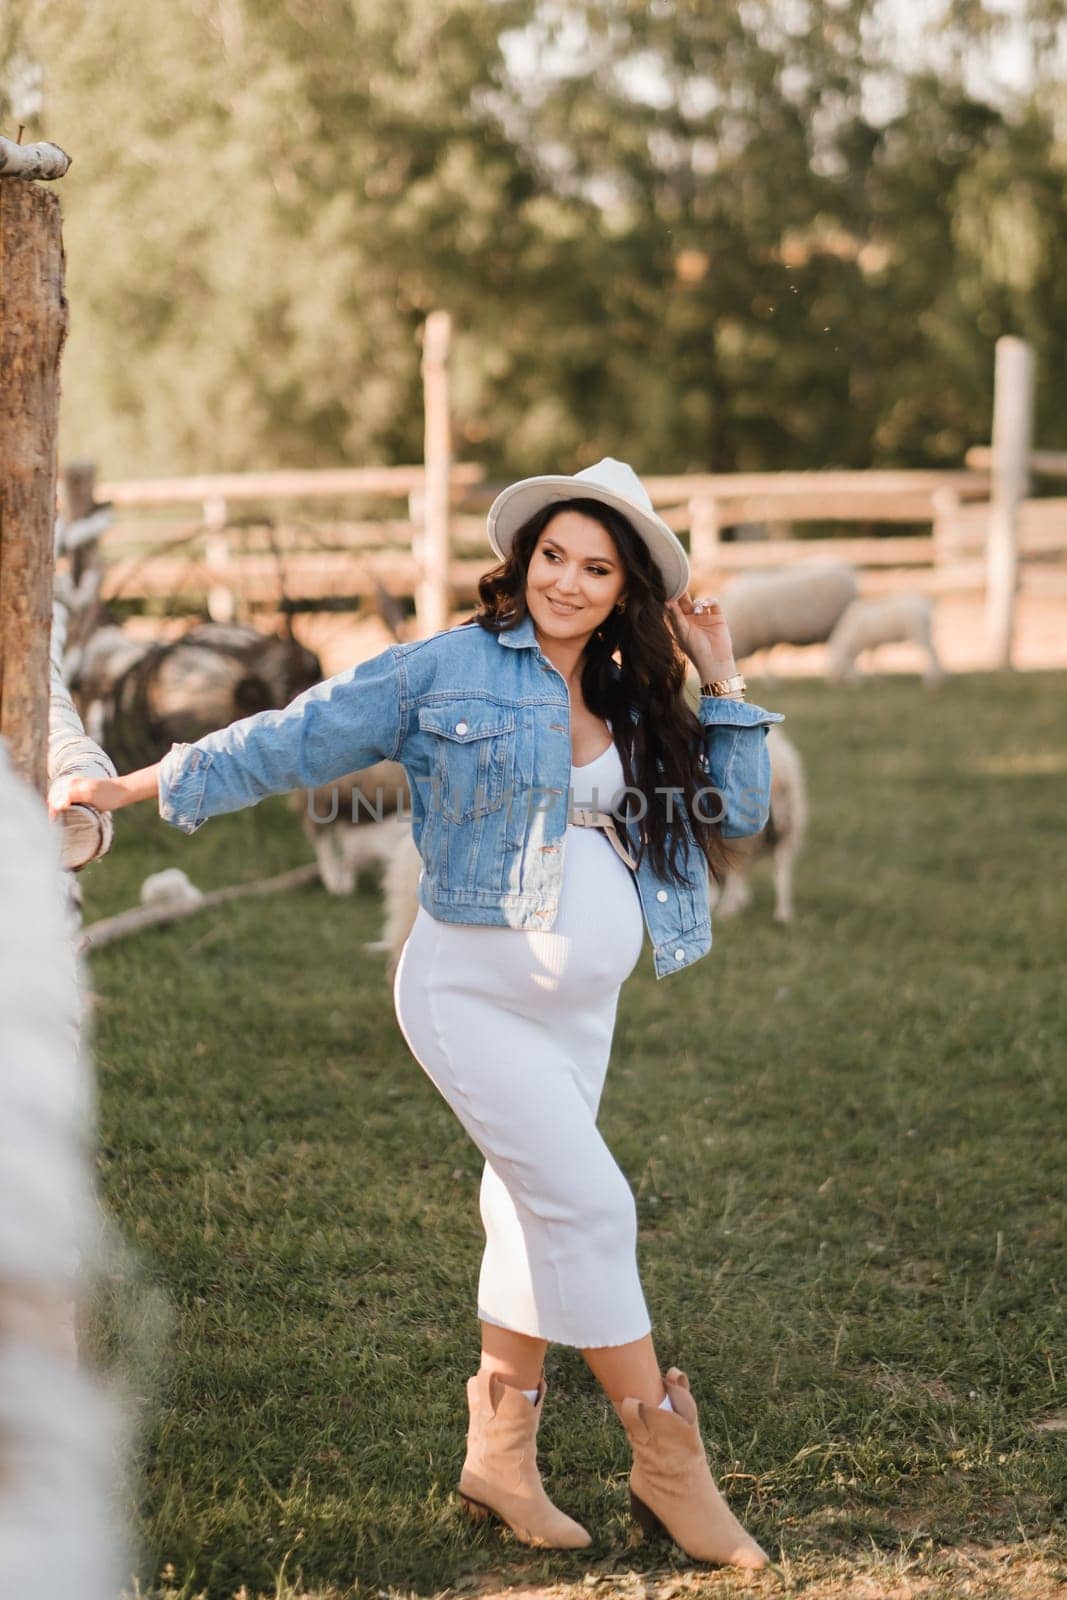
{"x": 170, "y": 887}
{"x": 791, "y": 605}
{"x": 781, "y": 838}
{"x": 884, "y": 619}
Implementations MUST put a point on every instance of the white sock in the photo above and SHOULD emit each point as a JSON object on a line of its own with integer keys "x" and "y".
{"x": 665, "y": 1404}
{"x": 531, "y": 1395}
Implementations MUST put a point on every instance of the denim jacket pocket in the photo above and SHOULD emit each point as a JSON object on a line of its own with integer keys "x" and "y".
{"x": 473, "y": 755}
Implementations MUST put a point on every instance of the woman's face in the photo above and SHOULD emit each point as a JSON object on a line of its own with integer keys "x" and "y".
{"x": 574, "y": 578}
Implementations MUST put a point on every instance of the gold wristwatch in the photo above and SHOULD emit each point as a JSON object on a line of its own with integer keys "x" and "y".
{"x": 732, "y": 688}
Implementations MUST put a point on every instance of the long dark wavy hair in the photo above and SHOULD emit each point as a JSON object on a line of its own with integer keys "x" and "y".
{"x": 663, "y": 748}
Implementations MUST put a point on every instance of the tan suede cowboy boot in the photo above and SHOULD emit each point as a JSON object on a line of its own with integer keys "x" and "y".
{"x": 500, "y": 1473}
{"x": 671, "y": 1487}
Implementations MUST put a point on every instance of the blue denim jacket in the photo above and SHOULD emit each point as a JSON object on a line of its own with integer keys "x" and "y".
{"x": 481, "y": 724}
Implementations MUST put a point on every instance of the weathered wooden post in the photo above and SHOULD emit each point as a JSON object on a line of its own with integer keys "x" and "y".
{"x": 1013, "y": 416}
{"x": 60, "y": 1432}
{"x": 33, "y": 326}
{"x": 704, "y": 538}
{"x": 221, "y": 606}
{"x": 432, "y": 593}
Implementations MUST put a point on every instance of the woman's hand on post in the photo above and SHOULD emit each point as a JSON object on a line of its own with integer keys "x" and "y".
{"x": 103, "y": 794}
{"x": 704, "y": 635}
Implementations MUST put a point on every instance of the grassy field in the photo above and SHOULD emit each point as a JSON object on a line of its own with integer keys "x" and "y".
{"x": 846, "y": 1142}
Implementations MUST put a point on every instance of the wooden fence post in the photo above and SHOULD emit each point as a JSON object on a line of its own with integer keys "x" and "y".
{"x": 1013, "y": 414}
{"x": 704, "y": 539}
{"x": 221, "y": 605}
{"x": 433, "y": 600}
{"x": 33, "y": 326}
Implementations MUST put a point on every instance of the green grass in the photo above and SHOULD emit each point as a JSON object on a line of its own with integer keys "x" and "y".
{"x": 845, "y": 1138}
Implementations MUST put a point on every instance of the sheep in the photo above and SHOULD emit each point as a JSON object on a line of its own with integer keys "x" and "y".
{"x": 344, "y": 821}
{"x": 781, "y": 838}
{"x": 865, "y": 624}
{"x": 791, "y": 605}
{"x": 400, "y": 885}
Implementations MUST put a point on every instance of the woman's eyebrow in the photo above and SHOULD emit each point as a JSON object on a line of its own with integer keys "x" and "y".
{"x": 604, "y": 561}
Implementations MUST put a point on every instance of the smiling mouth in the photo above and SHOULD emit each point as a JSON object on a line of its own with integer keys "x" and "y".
{"x": 561, "y": 607}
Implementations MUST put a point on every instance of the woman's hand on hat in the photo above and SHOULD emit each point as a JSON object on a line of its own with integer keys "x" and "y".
{"x": 704, "y": 634}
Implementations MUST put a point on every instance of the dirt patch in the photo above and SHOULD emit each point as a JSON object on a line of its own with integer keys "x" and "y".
{"x": 968, "y": 1572}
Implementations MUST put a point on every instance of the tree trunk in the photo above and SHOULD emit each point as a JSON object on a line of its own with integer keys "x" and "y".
{"x": 33, "y": 326}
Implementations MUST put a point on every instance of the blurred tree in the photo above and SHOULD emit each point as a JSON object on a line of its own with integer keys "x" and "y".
{"x": 698, "y": 236}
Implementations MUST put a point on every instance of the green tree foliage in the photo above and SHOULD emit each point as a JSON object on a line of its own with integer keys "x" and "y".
{"x": 744, "y": 236}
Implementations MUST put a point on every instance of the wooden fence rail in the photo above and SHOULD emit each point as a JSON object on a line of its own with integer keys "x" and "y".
{"x": 984, "y": 535}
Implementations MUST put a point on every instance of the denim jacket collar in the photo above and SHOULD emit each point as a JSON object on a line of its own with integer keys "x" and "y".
{"x": 522, "y": 636}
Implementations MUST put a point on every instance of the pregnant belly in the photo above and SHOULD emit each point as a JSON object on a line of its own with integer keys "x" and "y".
{"x": 592, "y": 948}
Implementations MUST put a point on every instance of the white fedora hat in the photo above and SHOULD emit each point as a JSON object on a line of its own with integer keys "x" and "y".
{"x": 614, "y": 484}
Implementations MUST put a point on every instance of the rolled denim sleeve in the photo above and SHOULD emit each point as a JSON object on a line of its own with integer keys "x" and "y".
{"x": 735, "y": 743}
{"x": 340, "y": 725}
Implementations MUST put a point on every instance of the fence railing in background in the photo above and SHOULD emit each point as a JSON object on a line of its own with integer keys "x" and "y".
{"x": 250, "y": 549}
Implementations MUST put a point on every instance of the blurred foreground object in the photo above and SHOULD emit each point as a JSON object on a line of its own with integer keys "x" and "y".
{"x": 61, "y": 1440}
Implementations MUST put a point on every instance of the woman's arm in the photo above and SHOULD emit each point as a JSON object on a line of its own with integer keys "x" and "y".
{"x": 105, "y": 794}
{"x": 340, "y": 725}
{"x": 739, "y": 768}
{"x": 735, "y": 733}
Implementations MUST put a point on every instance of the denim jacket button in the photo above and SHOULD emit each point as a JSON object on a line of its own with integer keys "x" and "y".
{"x": 679, "y": 955}
{"x": 461, "y": 727}
{"x": 661, "y": 894}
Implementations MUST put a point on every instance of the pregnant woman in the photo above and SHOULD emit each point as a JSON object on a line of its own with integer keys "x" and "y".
{"x": 564, "y": 798}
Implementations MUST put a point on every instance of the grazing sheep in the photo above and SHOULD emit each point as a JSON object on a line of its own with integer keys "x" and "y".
{"x": 400, "y": 885}
{"x": 344, "y": 821}
{"x": 781, "y": 839}
{"x": 170, "y": 887}
{"x": 791, "y": 605}
{"x": 886, "y": 619}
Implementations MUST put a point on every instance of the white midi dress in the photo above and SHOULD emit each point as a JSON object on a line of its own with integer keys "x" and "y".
{"x": 515, "y": 1031}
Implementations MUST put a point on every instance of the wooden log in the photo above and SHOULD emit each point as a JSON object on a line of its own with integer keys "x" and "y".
{"x": 1013, "y": 415}
{"x": 433, "y": 603}
{"x": 33, "y": 327}
{"x": 107, "y": 929}
{"x": 329, "y": 484}
{"x": 41, "y": 160}
{"x": 79, "y": 489}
